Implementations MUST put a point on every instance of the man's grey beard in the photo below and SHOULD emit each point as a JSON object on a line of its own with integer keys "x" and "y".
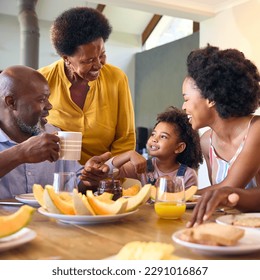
{"x": 32, "y": 130}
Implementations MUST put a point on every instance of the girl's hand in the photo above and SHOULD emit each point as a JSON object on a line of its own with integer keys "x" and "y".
{"x": 139, "y": 162}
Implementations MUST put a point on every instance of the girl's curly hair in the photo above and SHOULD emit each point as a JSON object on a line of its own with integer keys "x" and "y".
{"x": 192, "y": 155}
{"x": 76, "y": 27}
{"x": 227, "y": 78}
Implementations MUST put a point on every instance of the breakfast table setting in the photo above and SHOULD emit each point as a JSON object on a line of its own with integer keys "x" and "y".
{"x": 52, "y": 236}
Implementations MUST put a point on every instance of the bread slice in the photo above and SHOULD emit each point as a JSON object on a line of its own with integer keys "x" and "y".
{"x": 244, "y": 221}
{"x": 213, "y": 234}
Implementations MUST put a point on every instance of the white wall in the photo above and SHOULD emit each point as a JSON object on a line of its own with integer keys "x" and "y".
{"x": 238, "y": 28}
{"x": 9, "y": 41}
{"x": 121, "y": 49}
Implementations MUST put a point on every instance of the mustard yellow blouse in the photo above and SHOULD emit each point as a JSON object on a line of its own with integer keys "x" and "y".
{"x": 107, "y": 119}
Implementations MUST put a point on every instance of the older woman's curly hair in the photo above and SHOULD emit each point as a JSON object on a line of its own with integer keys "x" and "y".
{"x": 227, "y": 78}
{"x": 76, "y": 27}
{"x": 192, "y": 155}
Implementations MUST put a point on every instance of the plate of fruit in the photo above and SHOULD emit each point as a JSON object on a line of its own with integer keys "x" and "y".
{"x": 87, "y": 209}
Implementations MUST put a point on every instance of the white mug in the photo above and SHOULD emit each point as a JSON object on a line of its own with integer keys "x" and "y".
{"x": 70, "y": 145}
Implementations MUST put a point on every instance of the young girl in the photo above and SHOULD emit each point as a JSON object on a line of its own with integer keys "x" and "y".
{"x": 174, "y": 147}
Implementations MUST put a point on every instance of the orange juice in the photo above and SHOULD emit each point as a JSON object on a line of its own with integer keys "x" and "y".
{"x": 169, "y": 210}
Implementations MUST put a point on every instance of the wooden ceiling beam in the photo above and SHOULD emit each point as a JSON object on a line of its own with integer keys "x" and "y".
{"x": 150, "y": 27}
{"x": 101, "y": 7}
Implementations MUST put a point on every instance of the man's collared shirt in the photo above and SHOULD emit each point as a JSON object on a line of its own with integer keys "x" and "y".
{"x": 21, "y": 179}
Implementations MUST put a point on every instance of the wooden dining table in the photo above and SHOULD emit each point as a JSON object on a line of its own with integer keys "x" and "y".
{"x": 60, "y": 241}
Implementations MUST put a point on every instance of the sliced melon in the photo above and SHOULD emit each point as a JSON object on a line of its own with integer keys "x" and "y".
{"x": 140, "y": 198}
{"x": 147, "y": 194}
{"x": 38, "y": 194}
{"x": 131, "y": 191}
{"x": 12, "y": 223}
{"x": 55, "y": 204}
{"x": 89, "y": 193}
{"x": 101, "y": 207}
{"x": 105, "y": 196}
{"x": 81, "y": 204}
{"x": 67, "y": 196}
{"x": 189, "y": 193}
{"x": 173, "y": 196}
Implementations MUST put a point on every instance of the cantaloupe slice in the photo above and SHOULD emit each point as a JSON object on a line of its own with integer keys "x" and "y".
{"x": 108, "y": 207}
{"x": 131, "y": 191}
{"x": 189, "y": 193}
{"x": 173, "y": 196}
{"x": 38, "y": 194}
{"x": 140, "y": 198}
{"x": 55, "y": 204}
{"x": 66, "y": 196}
{"x": 12, "y": 223}
{"x": 105, "y": 196}
{"x": 81, "y": 204}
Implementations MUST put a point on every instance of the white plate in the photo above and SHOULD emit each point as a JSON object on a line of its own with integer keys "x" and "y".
{"x": 21, "y": 237}
{"x": 248, "y": 244}
{"x": 27, "y": 198}
{"x": 85, "y": 219}
{"x": 192, "y": 204}
{"x": 228, "y": 219}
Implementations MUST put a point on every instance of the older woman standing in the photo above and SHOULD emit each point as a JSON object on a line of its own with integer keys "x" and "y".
{"x": 87, "y": 94}
{"x": 222, "y": 92}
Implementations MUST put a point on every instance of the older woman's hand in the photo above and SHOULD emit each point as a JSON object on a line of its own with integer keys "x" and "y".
{"x": 95, "y": 170}
{"x": 210, "y": 200}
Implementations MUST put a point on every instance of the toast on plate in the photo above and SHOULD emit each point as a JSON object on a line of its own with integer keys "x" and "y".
{"x": 243, "y": 221}
{"x": 213, "y": 234}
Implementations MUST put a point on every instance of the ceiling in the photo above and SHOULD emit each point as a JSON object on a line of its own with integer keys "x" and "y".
{"x": 129, "y": 16}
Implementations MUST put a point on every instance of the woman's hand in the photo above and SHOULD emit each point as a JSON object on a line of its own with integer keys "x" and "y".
{"x": 95, "y": 170}
{"x": 210, "y": 200}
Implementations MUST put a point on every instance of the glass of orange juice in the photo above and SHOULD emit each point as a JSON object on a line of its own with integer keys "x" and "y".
{"x": 170, "y": 198}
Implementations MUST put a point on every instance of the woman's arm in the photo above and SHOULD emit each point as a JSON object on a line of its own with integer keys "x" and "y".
{"x": 244, "y": 200}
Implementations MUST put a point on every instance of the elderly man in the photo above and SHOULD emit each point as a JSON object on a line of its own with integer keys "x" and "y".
{"x": 29, "y": 147}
